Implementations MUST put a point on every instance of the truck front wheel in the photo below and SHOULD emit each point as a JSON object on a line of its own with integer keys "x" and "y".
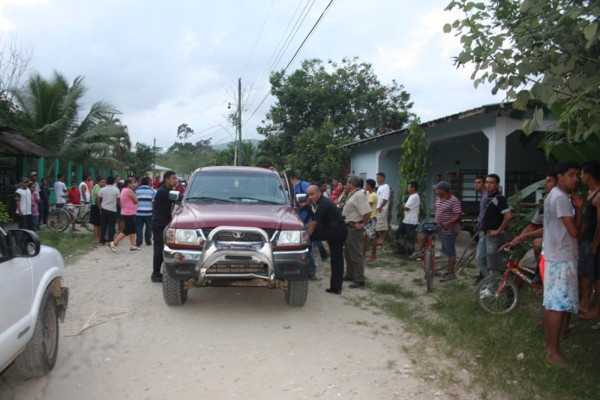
{"x": 296, "y": 293}
{"x": 174, "y": 292}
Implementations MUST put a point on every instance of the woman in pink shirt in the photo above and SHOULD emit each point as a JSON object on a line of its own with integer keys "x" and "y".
{"x": 128, "y": 210}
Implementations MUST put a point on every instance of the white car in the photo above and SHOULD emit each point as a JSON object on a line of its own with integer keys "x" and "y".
{"x": 33, "y": 297}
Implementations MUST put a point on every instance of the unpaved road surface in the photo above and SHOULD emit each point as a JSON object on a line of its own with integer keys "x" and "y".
{"x": 224, "y": 343}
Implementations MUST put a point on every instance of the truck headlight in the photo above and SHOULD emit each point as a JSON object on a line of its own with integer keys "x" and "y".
{"x": 293, "y": 238}
{"x": 183, "y": 236}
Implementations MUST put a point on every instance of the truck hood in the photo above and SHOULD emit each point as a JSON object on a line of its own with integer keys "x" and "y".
{"x": 209, "y": 215}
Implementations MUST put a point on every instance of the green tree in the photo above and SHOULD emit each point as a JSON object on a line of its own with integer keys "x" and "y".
{"x": 142, "y": 159}
{"x": 186, "y": 157}
{"x": 49, "y": 113}
{"x": 247, "y": 154}
{"x": 545, "y": 51}
{"x": 414, "y": 162}
{"x": 184, "y": 132}
{"x": 344, "y": 102}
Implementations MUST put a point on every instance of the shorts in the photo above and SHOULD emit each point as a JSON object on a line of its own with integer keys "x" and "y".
{"x": 588, "y": 264}
{"x": 406, "y": 231}
{"x": 448, "y": 243}
{"x": 369, "y": 228}
{"x": 382, "y": 221}
{"x": 561, "y": 286}
{"x": 94, "y": 215}
{"x": 129, "y": 221}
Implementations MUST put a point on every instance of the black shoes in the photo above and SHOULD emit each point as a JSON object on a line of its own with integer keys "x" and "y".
{"x": 356, "y": 285}
{"x": 334, "y": 291}
{"x": 148, "y": 244}
{"x": 156, "y": 278}
{"x": 348, "y": 279}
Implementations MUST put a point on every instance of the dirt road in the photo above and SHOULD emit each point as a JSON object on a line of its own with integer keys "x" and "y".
{"x": 224, "y": 343}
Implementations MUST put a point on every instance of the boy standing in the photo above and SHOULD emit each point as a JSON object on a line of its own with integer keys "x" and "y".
{"x": 561, "y": 228}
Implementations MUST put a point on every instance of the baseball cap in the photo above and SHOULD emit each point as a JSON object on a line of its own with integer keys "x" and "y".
{"x": 442, "y": 185}
{"x": 33, "y": 173}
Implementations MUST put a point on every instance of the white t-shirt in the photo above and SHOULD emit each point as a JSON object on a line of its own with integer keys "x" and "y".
{"x": 24, "y": 196}
{"x": 558, "y": 244}
{"x": 59, "y": 191}
{"x": 109, "y": 195}
{"x": 383, "y": 193}
{"x": 84, "y": 197}
{"x": 411, "y": 216}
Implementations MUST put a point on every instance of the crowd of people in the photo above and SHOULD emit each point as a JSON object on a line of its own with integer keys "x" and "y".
{"x": 351, "y": 216}
{"x": 139, "y": 207}
{"x": 565, "y": 232}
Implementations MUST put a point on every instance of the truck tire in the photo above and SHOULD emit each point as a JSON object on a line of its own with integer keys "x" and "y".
{"x": 174, "y": 292}
{"x": 39, "y": 356}
{"x": 296, "y": 293}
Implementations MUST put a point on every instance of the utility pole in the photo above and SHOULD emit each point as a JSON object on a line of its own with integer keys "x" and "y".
{"x": 239, "y": 114}
{"x": 238, "y": 125}
{"x": 154, "y": 160}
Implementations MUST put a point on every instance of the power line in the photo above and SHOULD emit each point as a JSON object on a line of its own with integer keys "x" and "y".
{"x": 294, "y": 56}
{"x": 279, "y": 52}
{"x": 258, "y": 38}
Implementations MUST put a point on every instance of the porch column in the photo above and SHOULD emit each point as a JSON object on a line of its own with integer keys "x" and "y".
{"x": 497, "y": 145}
{"x": 79, "y": 173}
{"x": 56, "y": 169}
{"x": 41, "y": 168}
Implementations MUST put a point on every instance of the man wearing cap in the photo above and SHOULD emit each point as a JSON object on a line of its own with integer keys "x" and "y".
{"x": 448, "y": 213}
{"x": 23, "y": 199}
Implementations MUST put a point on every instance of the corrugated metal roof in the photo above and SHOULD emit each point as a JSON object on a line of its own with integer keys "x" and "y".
{"x": 464, "y": 114}
{"x": 12, "y": 144}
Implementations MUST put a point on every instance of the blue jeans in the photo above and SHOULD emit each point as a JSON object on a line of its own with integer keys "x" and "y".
{"x": 140, "y": 221}
{"x": 487, "y": 254}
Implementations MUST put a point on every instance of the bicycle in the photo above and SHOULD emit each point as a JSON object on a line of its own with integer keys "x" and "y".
{"x": 59, "y": 219}
{"x": 498, "y": 294}
{"x": 429, "y": 228}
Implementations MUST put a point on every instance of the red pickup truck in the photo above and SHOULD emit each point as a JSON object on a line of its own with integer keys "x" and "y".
{"x": 236, "y": 226}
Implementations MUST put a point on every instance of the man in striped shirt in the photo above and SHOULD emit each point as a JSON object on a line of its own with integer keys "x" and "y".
{"x": 448, "y": 213}
{"x": 145, "y": 195}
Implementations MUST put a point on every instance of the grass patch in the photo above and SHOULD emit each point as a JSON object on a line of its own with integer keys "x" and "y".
{"x": 394, "y": 289}
{"x": 69, "y": 245}
{"x": 489, "y": 345}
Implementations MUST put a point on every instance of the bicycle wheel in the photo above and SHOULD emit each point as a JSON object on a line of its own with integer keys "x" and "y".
{"x": 495, "y": 296}
{"x": 85, "y": 221}
{"x": 58, "y": 220}
{"x": 429, "y": 270}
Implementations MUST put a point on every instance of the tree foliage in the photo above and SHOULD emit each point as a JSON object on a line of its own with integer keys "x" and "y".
{"x": 142, "y": 160}
{"x": 332, "y": 104}
{"x": 49, "y": 115}
{"x": 545, "y": 51}
{"x": 184, "y": 132}
{"x": 186, "y": 157}
{"x": 414, "y": 162}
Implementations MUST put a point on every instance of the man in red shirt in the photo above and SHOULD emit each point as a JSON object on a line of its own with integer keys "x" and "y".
{"x": 156, "y": 182}
{"x": 73, "y": 197}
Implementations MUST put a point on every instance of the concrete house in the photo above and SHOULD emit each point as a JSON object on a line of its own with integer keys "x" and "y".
{"x": 463, "y": 145}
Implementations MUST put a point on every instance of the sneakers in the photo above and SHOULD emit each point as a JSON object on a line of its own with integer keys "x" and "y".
{"x": 314, "y": 277}
{"x": 485, "y": 293}
{"x": 113, "y": 246}
{"x": 448, "y": 278}
{"x": 134, "y": 248}
{"x": 416, "y": 254}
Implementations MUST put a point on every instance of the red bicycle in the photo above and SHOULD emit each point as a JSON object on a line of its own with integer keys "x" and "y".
{"x": 429, "y": 228}
{"x": 498, "y": 294}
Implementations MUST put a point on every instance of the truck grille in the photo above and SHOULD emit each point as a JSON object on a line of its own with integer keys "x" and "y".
{"x": 226, "y": 269}
{"x": 232, "y": 236}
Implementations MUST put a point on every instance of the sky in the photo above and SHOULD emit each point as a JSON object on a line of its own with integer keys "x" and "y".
{"x": 164, "y": 63}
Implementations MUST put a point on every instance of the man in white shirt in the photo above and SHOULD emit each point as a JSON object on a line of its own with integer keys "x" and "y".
{"x": 60, "y": 191}
{"x": 409, "y": 224}
{"x": 23, "y": 200}
{"x": 383, "y": 198}
{"x": 107, "y": 200}
{"x": 84, "y": 190}
{"x": 561, "y": 229}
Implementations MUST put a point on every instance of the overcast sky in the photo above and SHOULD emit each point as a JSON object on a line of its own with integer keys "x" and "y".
{"x": 164, "y": 63}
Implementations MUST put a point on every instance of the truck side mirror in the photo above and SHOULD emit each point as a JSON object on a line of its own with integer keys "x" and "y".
{"x": 174, "y": 195}
{"x": 301, "y": 198}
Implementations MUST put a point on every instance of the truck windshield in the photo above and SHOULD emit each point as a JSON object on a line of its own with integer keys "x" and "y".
{"x": 236, "y": 187}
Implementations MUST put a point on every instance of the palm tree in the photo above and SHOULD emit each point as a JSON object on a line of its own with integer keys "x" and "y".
{"x": 51, "y": 119}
